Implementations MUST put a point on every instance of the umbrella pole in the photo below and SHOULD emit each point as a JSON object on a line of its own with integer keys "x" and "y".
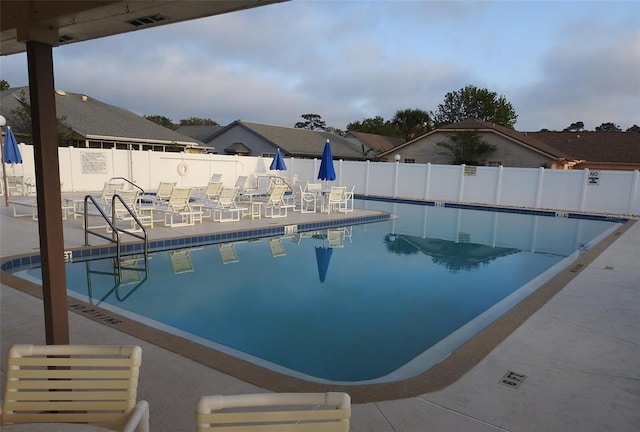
{"x": 4, "y": 176}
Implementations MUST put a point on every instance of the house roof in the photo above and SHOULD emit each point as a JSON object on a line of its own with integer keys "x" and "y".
{"x": 619, "y": 147}
{"x": 94, "y": 119}
{"x": 376, "y": 142}
{"x": 522, "y": 138}
{"x": 295, "y": 141}
{"x": 201, "y": 133}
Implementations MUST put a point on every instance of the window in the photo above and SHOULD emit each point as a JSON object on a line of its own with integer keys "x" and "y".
{"x": 406, "y": 160}
{"x": 494, "y": 163}
{"x": 268, "y": 155}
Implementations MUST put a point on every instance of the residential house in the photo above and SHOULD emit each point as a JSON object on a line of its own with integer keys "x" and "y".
{"x": 88, "y": 122}
{"x": 603, "y": 150}
{"x": 372, "y": 145}
{"x": 257, "y": 139}
{"x": 596, "y": 150}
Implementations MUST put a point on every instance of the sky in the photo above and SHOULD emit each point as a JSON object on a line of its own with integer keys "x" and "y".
{"x": 556, "y": 62}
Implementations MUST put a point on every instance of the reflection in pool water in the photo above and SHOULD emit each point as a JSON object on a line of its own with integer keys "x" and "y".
{"x": 369, "y": 303}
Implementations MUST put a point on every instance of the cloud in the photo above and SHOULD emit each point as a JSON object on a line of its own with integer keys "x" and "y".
{"x": 592, "y": 75}
{"x": 350, "y": 60}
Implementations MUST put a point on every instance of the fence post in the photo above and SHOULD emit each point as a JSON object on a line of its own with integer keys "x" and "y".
{"x": 539, "y": 190}
{"x": 366, "y": 177}
{"x": 427, "y": 181}
{"x": 634, "y": 190}
{"x": 583, "y": 192}
{"x": 461, "y": 185}
{"x": 496, "y": 201}
{"x": 395, "y": 182}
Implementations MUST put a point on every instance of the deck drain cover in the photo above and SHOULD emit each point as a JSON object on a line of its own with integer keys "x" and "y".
{"x": 512, "y": 379}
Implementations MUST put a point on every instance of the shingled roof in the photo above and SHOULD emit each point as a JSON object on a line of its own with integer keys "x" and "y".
{"x": 298, "y": 142}
{"x": 94, "y": 119}
{"x": 524, "y": 138}
{"x": 377, "y": 142}
{"x": 619, "y": 147}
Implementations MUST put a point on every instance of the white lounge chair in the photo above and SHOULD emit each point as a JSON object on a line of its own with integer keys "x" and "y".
{"x": 178, "y": 211}
{"x": 292, "y": 412}
{"x": 120, "y": 213}
{"x": 90, "y": 384}
{"x": 275, "y": 206}
{"x": 225, "y": 208}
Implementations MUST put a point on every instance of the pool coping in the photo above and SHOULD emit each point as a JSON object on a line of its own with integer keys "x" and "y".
{"x": 437, "y": 377}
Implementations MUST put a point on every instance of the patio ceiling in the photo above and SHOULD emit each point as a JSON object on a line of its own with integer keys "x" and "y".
{"x": 63, "y": 22}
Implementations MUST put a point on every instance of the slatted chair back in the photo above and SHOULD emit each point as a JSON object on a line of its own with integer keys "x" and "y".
{"x": 276, "y": 197}
{"x": 241, "y": 182}
{"x": 227, "y": 197}
{"x": 92, "y": 384}
{"x": 108, "y": 190}
{"x": 282, "y": 412}
{"x": 179, "y": 200}
{"x": 130, "y": 198}
{"x": 212, "y": 191}
{"x": 164, "y": 192}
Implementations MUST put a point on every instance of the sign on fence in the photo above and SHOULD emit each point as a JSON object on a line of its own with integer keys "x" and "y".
{"x": 594, "y": 178}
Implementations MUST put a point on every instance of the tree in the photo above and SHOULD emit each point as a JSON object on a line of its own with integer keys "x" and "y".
{"x": 162, "y": 121}
{"x": 574, "y": 127}
{"x": 466, "y": 147}
{"x": 195, "y": 121}
{"x": 412, "y": 123}
{"x": 608, "y": 127}
{"x": 22, "y": 125}
{"x": 634, "y": 128}
{"x": 472, "y": 102}
{"x": 375, "y": 125}
{"x": 4, "y": 85}
{"x": 312, "y": 122}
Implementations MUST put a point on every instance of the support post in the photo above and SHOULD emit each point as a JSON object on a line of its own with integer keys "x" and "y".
{"x": 49, "y": 199}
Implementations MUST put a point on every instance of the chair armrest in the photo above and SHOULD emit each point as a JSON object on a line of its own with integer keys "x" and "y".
{"x": 139, "y": 418}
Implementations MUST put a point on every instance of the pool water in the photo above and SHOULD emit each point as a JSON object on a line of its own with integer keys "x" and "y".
{"x": 364, "y": 304}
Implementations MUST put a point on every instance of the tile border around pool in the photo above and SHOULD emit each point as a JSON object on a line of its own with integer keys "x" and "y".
{"x": 102, "y": 251}
{"x": 496, "y": 208}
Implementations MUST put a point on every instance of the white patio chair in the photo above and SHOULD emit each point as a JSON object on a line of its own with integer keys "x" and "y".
{"x": 226, "y": 208}
{"x": 292, "y": 412}
{"x": 336, "y": 200}
{"x": 119, "y": 212}
{"x": 90, "y": 384}
{"x": 275, "y": 205}
{"x": 178, "y": 212}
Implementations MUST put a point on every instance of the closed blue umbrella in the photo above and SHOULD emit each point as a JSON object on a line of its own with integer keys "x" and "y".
{"x": 327, "y": 171}
{"x": 11, "y": 149}
{"x": 278, "y": 162}
{"x": 323, "y": 256}
{"x": 10, "y": 154}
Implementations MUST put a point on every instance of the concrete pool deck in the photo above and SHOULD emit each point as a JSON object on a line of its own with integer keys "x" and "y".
{"x": 579, "y": 351}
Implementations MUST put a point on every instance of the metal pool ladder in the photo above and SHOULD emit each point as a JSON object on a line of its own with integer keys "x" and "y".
{"x": 111, "y": 222}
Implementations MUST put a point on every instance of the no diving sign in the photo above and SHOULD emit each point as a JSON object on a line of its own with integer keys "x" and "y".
{"x": 594, "y": 178}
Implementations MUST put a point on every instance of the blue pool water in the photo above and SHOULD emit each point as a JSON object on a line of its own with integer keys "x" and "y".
{"x": 397, "y": 296}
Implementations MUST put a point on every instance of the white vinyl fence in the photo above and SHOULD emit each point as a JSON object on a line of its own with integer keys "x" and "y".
{"x": 602, "y": 192}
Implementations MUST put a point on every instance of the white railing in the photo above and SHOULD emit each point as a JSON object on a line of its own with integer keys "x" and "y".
{"x": 602, "y": 192}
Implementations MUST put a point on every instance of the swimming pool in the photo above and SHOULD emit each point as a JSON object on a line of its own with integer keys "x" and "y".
{"x": 364, "y": 304}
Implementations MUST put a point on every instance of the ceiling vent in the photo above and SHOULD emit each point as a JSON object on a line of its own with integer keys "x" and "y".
{"x": 62, "y": 39}
{"x": 146, "y": 20}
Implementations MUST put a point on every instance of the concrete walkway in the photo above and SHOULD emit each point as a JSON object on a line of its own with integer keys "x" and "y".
{"x": 579, "y": 355}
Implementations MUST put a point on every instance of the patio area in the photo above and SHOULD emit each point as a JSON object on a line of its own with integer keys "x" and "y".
{"x": 578, "y": 350}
